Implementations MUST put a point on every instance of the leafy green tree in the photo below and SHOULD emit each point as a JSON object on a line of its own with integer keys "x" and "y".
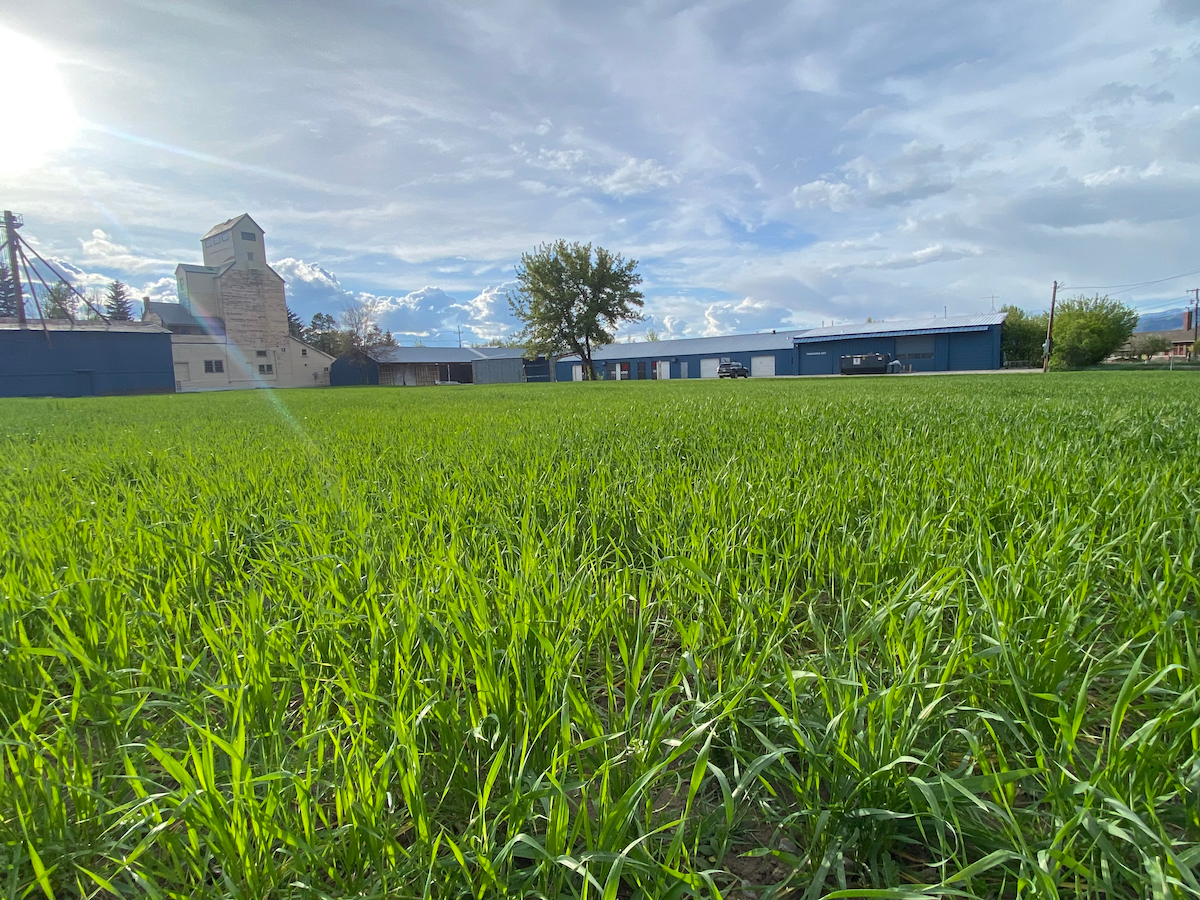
{"x": 571, "y": 299}
{"x": 117, "y": 305}
{"x": 1087, "y": 330}
{"x": 1022, "y": 335}
{"x": 1148, "y": 345}
{"x": 59, "y": 302}
{"x": 8, "y": 293}
{"x": 295, "y": 324}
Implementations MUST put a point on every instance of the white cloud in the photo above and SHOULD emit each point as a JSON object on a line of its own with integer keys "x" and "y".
{"x": 636, "y": 177}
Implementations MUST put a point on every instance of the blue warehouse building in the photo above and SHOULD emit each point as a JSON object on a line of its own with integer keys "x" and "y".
{"x": 954, "y": 344}
{"x": 64, "y": 359}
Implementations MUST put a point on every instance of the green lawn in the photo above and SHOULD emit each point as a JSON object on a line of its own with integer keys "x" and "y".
{"x": 634, "y": 640}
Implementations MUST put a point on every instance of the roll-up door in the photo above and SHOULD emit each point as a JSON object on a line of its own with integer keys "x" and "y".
{"x": 708, "y": 367}
{"x": 762, "y": 367}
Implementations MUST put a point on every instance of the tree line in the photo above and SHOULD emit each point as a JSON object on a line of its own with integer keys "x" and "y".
{"x": 355, "y": 331}
{"x": 59, "y": 301}
{"x": 1087, "y": 331}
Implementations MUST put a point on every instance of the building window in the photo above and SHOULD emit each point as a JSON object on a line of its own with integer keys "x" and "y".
{"x": 260, "y": 352}
{"x": 304, "y": 351}
{"x": 266, "y": 369}
{"x": 224, "y": 237}
{"x": 248, "y": 236}
{"x": 908, "y": 355}
{"x": 250, "y": 256}
{"x": 212, "y": 366}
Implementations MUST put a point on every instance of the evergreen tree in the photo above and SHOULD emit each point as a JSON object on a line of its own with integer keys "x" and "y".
{"x": 116, "y": 305}
{"x": 8, "y": 293}
{"x": 295, "y": 324}
{"x": 59, "y": 302}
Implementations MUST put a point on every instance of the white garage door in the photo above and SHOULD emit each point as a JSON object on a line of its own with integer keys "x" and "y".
{"x": 708, "y": 367}
{"x": 664, "y": 370}
{"x": 762, "y": 367}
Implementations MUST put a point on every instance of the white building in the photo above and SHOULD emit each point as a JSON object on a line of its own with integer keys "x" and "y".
{"x": 229, "y": 329}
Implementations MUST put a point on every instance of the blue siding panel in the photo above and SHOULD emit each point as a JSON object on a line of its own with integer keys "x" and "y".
{"x": 85, "y": 363}
{"x": 345, "y": 372}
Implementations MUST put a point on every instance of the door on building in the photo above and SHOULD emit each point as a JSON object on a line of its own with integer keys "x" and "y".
{"x": 708, "y": 367}
{"x": 577, "y": 372}
{"x": 181, "y": 375}
{"x": 683, "y": 370}
{"x": 762, "y": 367}
{"x": 664, "y": 369}
{"x": 815, "y": 362}
{"x": 84, "y": 386}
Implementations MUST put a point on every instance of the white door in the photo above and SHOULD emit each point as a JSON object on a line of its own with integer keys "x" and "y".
{"x": 664, "y": 370}
{"x": 683, "y": 370}
{"x": 577, "y": 372}
{"x": 181, "y": 375}
{"x": 762, "y": 367}
{"x": 708, "y": 367}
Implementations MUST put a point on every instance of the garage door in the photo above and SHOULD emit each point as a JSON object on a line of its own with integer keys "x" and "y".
{"x": 664, "y": 370}
{"x": 708, "y": 367}
{"x": 762, "y": 367}
{"x": 577, "y": 372}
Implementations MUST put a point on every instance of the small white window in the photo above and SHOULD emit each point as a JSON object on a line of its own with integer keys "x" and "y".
{"x": 218, "y": 365}
{"x": 304, "y": 351}
{"x": 260, "y": 352}
{"x": 248, "y": 236}
{"x": 250, "y": 256}
{"x": 267, "y": 369}
{"x": 208, "y": 366}
{"x": 224, "y": 237}
{"x": 208, "y": 242}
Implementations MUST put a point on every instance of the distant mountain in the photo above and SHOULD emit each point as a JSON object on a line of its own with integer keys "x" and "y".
{"x": 1167, "y": 320}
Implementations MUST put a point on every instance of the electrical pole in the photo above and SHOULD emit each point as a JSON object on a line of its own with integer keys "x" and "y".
{"x": 460, "y": 337}
{"x": 10, "y": 235}
{"x": 1049, "y": 331}
{"x": 1195, "y": 292}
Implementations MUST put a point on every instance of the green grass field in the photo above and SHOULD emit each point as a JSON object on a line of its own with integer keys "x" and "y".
{"x": 841, "y": 638}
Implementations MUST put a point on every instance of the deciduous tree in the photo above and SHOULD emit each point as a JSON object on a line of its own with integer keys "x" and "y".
{"x": 59, "y": 302}
{"x": 571, "y": 297}
{"x": 1023, "y": 335}
{"x": 1087, "y": 330}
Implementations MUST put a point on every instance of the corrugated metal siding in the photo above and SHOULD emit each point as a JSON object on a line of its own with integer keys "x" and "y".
{"x": 498, "y": 371}
{"x": 81, "y": 363}
{"x": 967, "y": 352}
{"x": 345, "y": 372}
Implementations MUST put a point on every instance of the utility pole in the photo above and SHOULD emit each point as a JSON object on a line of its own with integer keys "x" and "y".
{"x": 1049, "y": 331}
{"x": 10, "y": 235}
{"x": 460, "y": 337}
{"x": 1195, "y": 292}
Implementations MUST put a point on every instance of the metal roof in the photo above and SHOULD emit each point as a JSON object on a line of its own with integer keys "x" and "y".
{"x": 171, "y": 313}
{"x": 728, "y": 343}
{"x": 443, "y": 354}
{"x": 81, "y": 325}
{"x": 895, "y": 329}
{"x": 228, "y": 224}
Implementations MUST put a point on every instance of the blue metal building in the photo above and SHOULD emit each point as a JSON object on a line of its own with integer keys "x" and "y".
{"x": 419, "y": 366}
{"x": 957, "y": 343}
{"x": 954, "y": 344}
{"x": 764, "y": 355}
{"x": 84, "y": 359}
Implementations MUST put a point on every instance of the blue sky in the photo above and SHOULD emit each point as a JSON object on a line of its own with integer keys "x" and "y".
{"x": 770, "y": 164}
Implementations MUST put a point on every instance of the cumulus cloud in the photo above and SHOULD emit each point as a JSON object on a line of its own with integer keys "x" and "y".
{"x": 636, "y": 177}
{"x": 101, "y": 250}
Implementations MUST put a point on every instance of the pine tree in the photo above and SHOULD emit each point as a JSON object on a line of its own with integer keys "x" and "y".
{"x": 295, "y": 324}
{"x": 8, "y": 293}
{"x": 116, "y": 305}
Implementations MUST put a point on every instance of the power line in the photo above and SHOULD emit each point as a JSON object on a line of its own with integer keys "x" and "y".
{"x": 1105, "y": 287}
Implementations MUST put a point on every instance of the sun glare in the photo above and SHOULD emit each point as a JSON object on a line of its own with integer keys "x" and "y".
{"x": 38, "y": 110}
